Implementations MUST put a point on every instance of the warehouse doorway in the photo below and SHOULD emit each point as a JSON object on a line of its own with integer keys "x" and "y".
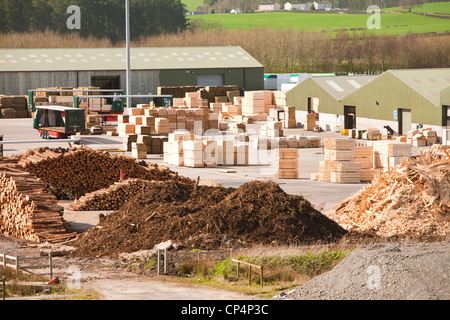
{"x": 205, "y": 80}
{"x": 446, "y": 116}
{"x": 404, "y": 120}
{"x": 106, "y": 82}
{"x": 349, "y": 117}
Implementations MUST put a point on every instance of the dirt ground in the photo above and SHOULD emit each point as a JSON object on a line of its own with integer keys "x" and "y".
{"x": 113, "y": 282}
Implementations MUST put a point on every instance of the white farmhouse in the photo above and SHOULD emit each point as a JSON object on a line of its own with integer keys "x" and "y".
{"x": 268, "y": 7}
{"x": 323, "y": 6}
{"x": 288, "y": 6}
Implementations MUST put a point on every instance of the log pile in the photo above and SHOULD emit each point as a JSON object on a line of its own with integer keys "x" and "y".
{"x": 111, "y": 198}
{"x": 27, "y": 211}
{"x": 81, "y": 170}
{"x": 413, "y": 199}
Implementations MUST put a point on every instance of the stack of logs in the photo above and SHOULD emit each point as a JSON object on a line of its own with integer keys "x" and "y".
{"x": 111, "y": 198}
{"x": 27, "y": 211}
{"x": 81, "y": 170}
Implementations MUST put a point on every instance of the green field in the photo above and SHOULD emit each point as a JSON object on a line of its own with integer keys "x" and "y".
{"x": 435, "y": 7}
{"x": 192, "y": 5}
{"x": 394, "y": 23}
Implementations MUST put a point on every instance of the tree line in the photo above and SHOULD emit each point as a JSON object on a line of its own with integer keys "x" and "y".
{"x": 98, "y": 18}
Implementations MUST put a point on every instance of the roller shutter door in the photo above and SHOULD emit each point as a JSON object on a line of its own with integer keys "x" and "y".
{"x": 204, "y": 80}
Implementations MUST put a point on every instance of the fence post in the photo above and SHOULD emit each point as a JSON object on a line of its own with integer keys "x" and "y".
{"x": 17, "y": 265}
{"x": 249, "y": 275}
{"x": 50, "y": 264}
{"x": 158, "y": 266}
{"x": 165, "y": 261}
{"x": 262, "y": 277}
{"x": 1, "y": 146}
{"x": 4, "y": 288}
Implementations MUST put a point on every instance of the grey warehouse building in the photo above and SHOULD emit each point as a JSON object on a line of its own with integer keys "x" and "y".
{"x": 27, "y": 69}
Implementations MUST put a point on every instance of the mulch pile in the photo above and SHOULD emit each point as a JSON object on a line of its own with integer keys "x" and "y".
{"x": 208, "y": 218}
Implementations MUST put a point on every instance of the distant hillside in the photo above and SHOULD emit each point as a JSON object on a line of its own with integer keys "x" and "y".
{"x": 394, "y": 23}
{"x": 436, "y": 7}
{"x": 224, "y": 6}
{"x": 192, "y": 5}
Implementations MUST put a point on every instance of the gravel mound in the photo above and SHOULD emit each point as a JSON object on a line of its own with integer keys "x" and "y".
{"x": 396, "y": 271}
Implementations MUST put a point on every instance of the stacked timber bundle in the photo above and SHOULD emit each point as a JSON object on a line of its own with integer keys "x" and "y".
{"x": 373, "y": 134}
{"x": 310, "y": 121}
{"x": 81, "y": 170}
{"x": 364, "y": 156}
{"x": 412, "y": 200}
{"x": 388, "y": 154}
{"x": 27, "y": 211}
{"x": 289, "y": 117}
{"x": 286, "y": 164}
{"x": 257, "y": 104}
{"x": 340, "y": 165}
{"x": 111, "y": 198}
{"x": 292, "y": 142}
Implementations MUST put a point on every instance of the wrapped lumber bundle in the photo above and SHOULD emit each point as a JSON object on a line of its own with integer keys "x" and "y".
{"x": 81, "y": 170}
{"x": 286, "y": 164}
{"x": 27, "y": 211}
{"x": 112, "y": 197}
{"x": 412, "y": 200}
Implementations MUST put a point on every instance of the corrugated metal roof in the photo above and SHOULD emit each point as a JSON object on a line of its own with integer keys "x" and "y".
{"x": 341, "y": 86}
{"x": 427, "y": 82}
{"x": 87, "y": 59}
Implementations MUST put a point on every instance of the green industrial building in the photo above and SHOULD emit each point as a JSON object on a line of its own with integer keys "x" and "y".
{"x": 25, "y": 69}
{"x": 404, "y": 99}
{"x": 323, "y": 95}
{"x": 399, "y": 99}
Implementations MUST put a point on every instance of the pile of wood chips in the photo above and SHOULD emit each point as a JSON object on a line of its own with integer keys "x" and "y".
{"x": 413, "y": 199}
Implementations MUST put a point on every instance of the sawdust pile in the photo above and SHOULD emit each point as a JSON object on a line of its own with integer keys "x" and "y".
{"x": 412, "y": 200}
{"x": 208, "y": 218}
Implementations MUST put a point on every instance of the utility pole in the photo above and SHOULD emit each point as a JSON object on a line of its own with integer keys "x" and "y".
{"x": 127, "y": 22}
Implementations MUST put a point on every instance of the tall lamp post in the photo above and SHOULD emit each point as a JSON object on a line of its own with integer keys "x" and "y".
{"x": 127, "y": 22}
